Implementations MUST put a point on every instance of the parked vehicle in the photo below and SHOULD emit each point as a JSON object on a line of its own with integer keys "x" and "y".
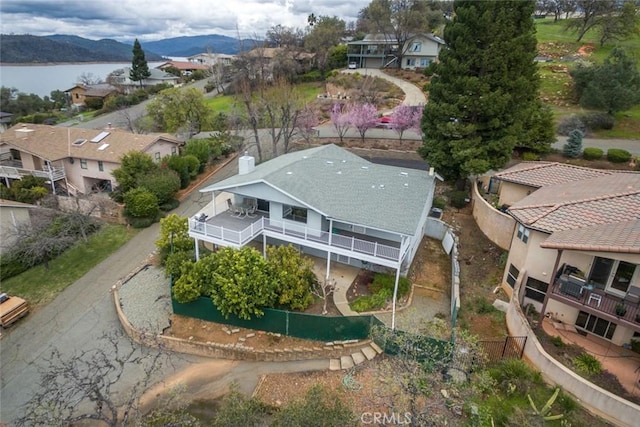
{"x": 353, "y": 65}
{"x": 12, "y": 309}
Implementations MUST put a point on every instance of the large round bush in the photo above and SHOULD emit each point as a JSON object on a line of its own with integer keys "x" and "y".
{"x": 618, "y": 155}
{"x": 141, "y": 203}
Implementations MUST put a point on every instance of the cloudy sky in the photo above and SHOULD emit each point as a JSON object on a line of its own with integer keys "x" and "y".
{"x": 125, "y": 20}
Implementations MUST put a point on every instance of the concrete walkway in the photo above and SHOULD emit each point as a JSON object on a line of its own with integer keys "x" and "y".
{"x": 342, "y": 276}
{"x": 413, "y": 95}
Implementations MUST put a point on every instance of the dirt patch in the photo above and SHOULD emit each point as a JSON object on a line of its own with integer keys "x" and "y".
{"x": 360, "y": 286}
{"x": 202, "y": 331}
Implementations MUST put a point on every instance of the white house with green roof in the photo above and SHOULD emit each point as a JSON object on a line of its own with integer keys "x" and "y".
{"x": 326, "y": 202}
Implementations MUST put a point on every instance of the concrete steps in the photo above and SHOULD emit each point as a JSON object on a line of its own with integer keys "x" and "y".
{"x": 364, "y": 354}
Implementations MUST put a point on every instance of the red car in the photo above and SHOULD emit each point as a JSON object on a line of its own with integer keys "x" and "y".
{"x": 384, "y": 122}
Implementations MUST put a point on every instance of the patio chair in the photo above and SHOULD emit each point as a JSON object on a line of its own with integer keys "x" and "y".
{"x": 234, "y": 209}
{"x": 251, "y": 208}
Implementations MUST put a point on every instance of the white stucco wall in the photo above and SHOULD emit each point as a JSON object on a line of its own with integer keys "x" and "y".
{"x": 511, "y": 193}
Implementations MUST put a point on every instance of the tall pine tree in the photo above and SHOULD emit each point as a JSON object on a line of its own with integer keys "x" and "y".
{"x": 139, "y": 67}
{"x": 483, "y": 98}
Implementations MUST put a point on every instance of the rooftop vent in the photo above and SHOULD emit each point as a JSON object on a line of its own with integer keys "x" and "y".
{"x": 289, "y": 173}
{"x": 78, "y": 142}
{"x": 404, "y": 174}
{"x": 364, "y": 167}
{"x": 329, "y": 162}
{"x": 99, "y": 137}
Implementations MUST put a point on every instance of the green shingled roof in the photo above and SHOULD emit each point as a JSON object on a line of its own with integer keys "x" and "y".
{"x": 345, "y": 187}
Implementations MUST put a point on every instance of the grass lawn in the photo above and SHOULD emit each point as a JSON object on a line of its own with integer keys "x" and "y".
{"x": 40, "y": 286}
{"x": 224, "y": 103}
{"x": 555, "y": 89}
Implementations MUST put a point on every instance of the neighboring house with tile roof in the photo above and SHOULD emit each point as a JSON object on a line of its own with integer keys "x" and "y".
{"x": 325, "y": 201}
{"x": 576, "y": 245}
{"x": 79, "y": 94}
{"x": 378, "y": 51}
{"x": 185, "y": 67}
{"x": 74, "y": 160}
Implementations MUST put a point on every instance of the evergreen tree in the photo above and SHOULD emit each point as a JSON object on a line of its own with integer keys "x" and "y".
{"x": 139, "y": 67}
{"x": 483, "y": 98}
{"x": 573, "y": 147}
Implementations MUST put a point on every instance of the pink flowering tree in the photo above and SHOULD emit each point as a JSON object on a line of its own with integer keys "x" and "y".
{"x": 305, "y": 123}
{"x": 401, "y": 119}
{"x": 363, "y": 117}
{"x": 339, "y": 116}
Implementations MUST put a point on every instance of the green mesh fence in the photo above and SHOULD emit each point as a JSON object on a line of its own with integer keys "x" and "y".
{"x": 299, "y": 325}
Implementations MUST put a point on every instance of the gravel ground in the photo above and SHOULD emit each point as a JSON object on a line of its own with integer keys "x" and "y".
{"x": 145, "y": 300}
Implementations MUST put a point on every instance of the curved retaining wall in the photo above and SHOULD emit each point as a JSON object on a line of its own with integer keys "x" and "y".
{"x": 233, "y": 351}
{"x": 599, "y": 401}
{"x": 497, "y": 226}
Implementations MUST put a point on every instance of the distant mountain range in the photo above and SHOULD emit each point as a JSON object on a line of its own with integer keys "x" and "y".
{"x": 65, "y": 48}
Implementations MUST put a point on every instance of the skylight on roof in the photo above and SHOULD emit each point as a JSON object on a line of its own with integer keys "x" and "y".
{"x": 78, "y": 142}
{"x": 102, "y": 147}
{"x": 100, "y": 137}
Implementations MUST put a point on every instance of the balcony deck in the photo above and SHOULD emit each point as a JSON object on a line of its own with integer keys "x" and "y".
{"x": 598, "y": 302}
{"x": 225, "y": 228}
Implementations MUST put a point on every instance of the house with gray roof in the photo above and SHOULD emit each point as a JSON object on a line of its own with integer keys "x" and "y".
{"x": 576, "y": 245}
{"x": 325, "y": 201}
{"x": 381, "y": 51}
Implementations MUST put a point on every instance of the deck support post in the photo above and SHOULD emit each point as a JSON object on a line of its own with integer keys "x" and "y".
{"x": 395, "y": 297}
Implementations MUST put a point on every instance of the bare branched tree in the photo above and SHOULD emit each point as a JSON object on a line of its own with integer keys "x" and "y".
{"x": 89, "y": 79}
{"x": 323, "y": 290}
{"x": 135, "y": 123}
{"x": 82, "y": 386}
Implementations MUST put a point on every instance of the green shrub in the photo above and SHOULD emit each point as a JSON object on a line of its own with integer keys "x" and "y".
{"x": 587, "y": 364}
{"x": 459, "y": 199}
{"x": 311, "y": 76}
{"x": 530, "y": 157}
{"x": 425, "y": 87}
{"x": 557, "y": 342}
{"x": 573, "y": 147}
{"x": 141, "y": 203}
{"x": 571, "y": 123}
{"x": 136, "y": 222}
{"x": 11, "y": 266}
{"x": 483, "y": 306}
{"x": 439, "y": 202}
{"x": 618, "y": 155}
{"x": 592, "y": 153}
{"x": 386, "y": 282}
{"x": 376, "y": 301}
{"x": 515, "y": 376}
{"x": 94, "y": 103}
{"x": 598, "y": 121}
{"x": 163, "y": 183}
{"x": 169, "y": 205}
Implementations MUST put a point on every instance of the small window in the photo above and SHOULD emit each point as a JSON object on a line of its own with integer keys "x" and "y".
{"x": 416, "y": 47}
{"x": 83, "y": 163}
{"x": 294, "y": 213}
{"x": 100, "y": 166}
{"x": 424, "y": 62}
{"x": 523, "y": 233}
{"x": 411, "y": 62}
{"x": 174, "y": 150}
{"x": 595, "y": 325}
{"x": 536, "y": 289}
{"x": 512, "y": 275}
{"x": 157, "y": 156}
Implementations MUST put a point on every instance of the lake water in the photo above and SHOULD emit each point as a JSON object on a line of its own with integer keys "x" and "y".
{"x": 43, "y": 79}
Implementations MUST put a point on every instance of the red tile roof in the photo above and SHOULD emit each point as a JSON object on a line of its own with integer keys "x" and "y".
{"x": 598, "y": 212}
{"x": 540, "y": 174}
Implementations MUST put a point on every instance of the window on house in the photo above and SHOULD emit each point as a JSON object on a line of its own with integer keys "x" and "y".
{"x": 416, "y": 47}
{"x": 424, "y": 62}
{"x": 83, "y": 163}
{"x": 157, "y": 156}
{"x": 523, "y": 233}
{"x": 613, "y": 275}
{"x": 100, "y": 166}
{"x": 512, "y": 275}
{"x": 595, "y": 325}
{"x": 535, "y": 289}
{"x": 294, "y": 213}
{"x": 411, "y": 62}
{"x": 77, "y": 95}
{"x": 174, "y": 150}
